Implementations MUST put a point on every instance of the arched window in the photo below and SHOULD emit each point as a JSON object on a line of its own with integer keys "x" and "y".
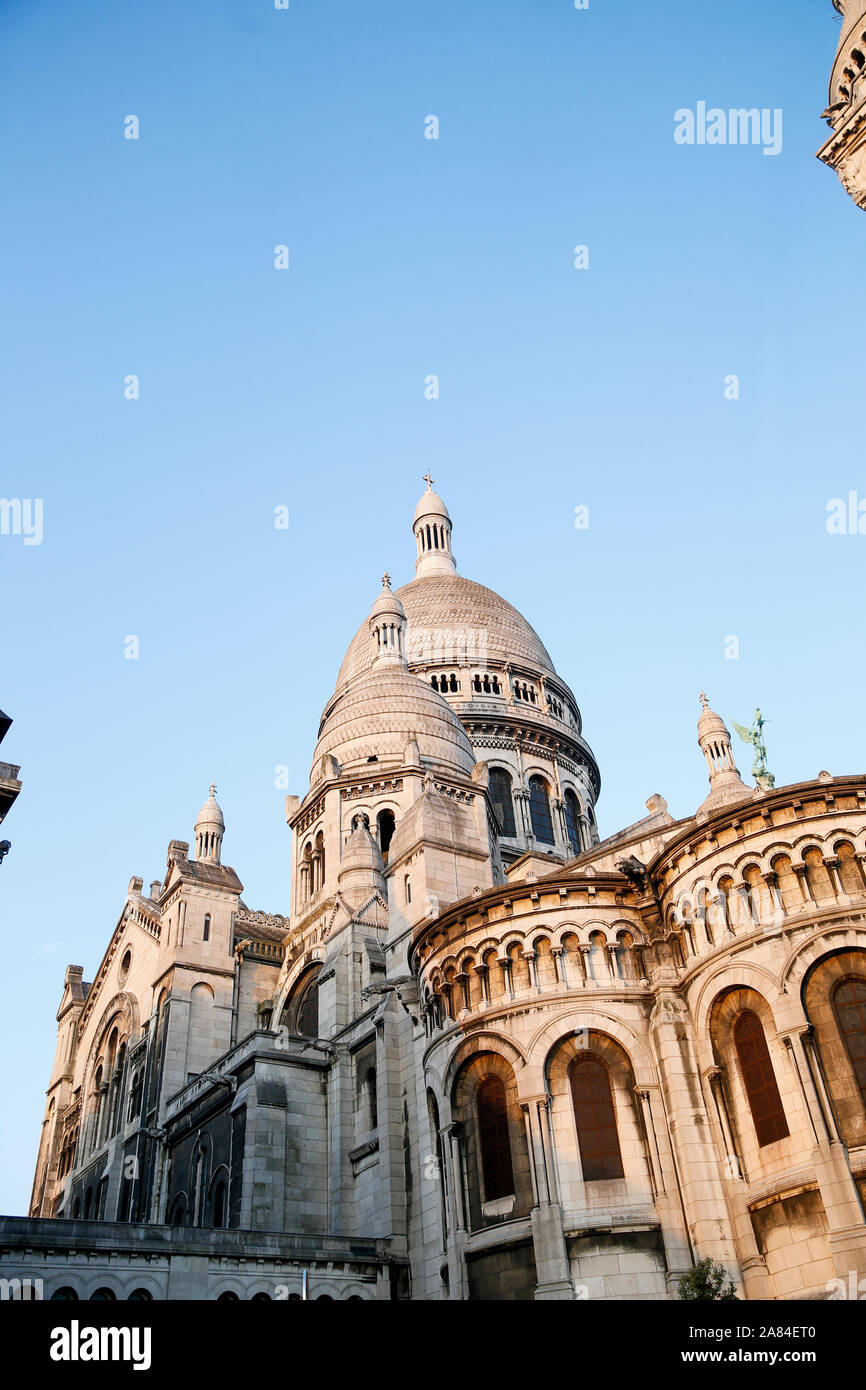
{"x": 178, "y": 1212}
{"x": 759, "y": 1079}
{"x": 301, "y": 1014}
{"x": 597, "y": 957}
{"x": 407, "y": 885}
{"x": 496, "y": 1166}
{"x": 595, "y": 1118}
{"x": 140, "y": 1296}
{"x": 135, "y": 1094}
{"x": 218, "y": 1205}
{"x": 572, "y": 820}
{"x": 320, "y": 860}
{"x": 385, "y": 823}
{"x": 503, "y": 801}
{"x": 849, "y": 1002}
{"x": 103, "y": 1296}
{"x": 624, "y": 955}
{"x": 370, "y": 1096}
{"x": 205, "y": 936}
{"x": 64, "y": 1295}
{"x": 539, "y": 811}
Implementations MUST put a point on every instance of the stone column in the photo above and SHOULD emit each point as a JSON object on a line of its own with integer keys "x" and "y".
{"x": 701, "y": 1189}
{"x": 449, "y": 1137}
{"x": 530, "y": 958}
{"x": 756, "y": 1279}
{"x": 831, "y": 864}
{"x": 846, "y": 1235}
{"x": 802, "y": 877}
{"x": 484, "y": 982}
{"x": 551, "y": 1256}
{"x": 653, "y": 1158}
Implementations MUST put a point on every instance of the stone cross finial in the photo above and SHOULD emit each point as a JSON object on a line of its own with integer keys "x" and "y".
{"x": 213, "y": 788}
{"x": 428, "y": 480}
{"x": 386, "y": 580}
{"x": 704, "y": 701}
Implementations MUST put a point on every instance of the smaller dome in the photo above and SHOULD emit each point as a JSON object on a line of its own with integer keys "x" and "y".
{"x": 210, "y": 813}
{"x": 387, "y": 602}
{"x": 710, "y": 722}
{"x": 377, "y": 716}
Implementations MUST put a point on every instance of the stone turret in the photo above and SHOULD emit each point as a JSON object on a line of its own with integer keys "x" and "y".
{"x": 362, "y": 871}
{"x": 209, "y": 830}
{"x": 432, "y": 530}
{"x": 726, "y": 784}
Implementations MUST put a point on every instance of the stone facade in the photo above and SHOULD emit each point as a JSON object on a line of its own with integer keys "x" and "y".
{"x": 845, "y": 151}
{"x": 488, "y": 1056}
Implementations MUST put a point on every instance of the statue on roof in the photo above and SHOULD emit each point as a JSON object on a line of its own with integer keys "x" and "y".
{"x": 763, "y": 777}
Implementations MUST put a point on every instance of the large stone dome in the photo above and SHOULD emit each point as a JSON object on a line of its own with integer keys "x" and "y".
{"x": 382, "y": 711}
{"x": 441, "y": 604}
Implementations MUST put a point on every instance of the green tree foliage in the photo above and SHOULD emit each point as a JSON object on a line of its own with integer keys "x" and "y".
{"x": 708, "y": 1281}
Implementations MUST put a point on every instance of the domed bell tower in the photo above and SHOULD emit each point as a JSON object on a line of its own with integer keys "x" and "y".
{"x": 432, "y": 530}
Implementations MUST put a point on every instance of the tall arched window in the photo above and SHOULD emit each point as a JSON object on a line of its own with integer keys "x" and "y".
{"x": 218, "y": 1205}
{"x": 370, "y": 1097}
{"x": 320, "y": 860}
{"x": 539, "y": 811}
{"x": 503, "y": 801}
{"x": 595, "y": 1118}
{"x": 205, "y": 935}
{"x": 385, "y": 823}
{"x": 496, "y": 1166}
{"x": 301, "y": 1013}
{"x": 849, "y": 1002}
{"x": 572, "y": 820}
{"x": 759, "y": 1079}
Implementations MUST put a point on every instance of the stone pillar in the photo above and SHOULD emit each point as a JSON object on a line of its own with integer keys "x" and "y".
{"x": 449, "y": 1136}
{"x": 551, "y": 1256}
{"x": 831, "y": 864}
{"x": 530, "y": 958}
{"x": 756, "y": 1279}
{"x": 802, "y": 877}
{"x": 846, "y": 1235}
{"x": 701, "y": 1189}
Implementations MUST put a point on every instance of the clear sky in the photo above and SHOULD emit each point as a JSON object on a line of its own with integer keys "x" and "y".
{"x": 259, "y": 387}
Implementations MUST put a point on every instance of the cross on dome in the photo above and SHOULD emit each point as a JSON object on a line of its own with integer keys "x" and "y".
{"x": 386, "y": 580}
{"x": 428, "y": 480}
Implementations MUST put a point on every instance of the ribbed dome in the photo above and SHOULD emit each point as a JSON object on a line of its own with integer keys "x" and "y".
{"x": 440, "y": 604}
{"x": 211, "y": 812}
{"x": 431, "y": 504}
{"x": 382, "y": 711}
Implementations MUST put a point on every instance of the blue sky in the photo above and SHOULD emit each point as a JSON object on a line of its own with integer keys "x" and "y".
{"x": 305, "y": 388}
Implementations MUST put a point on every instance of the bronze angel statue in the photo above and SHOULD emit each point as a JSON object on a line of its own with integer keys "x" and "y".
{"x": 763, "y": 777}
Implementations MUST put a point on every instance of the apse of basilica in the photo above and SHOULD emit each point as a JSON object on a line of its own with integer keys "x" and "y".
{"x": 486, "y": 1054}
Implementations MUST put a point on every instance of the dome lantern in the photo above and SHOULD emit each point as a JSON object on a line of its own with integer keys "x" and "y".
{"x": 209, "y": 830}
{"x": 432, "y": 529}
{"x": 388, "y": 626}
{"x": 726, "y": 784}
